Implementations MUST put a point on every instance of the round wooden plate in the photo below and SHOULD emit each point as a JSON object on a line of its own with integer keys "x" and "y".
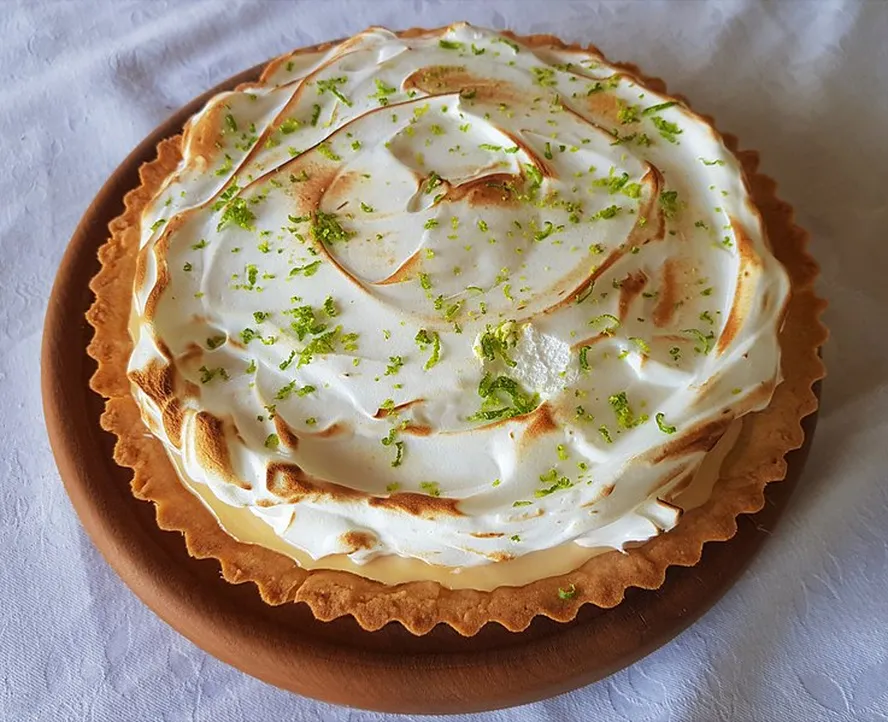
{"x": 338, "y": 662}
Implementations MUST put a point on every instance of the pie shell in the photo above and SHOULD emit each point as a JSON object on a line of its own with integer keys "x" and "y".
{"x": 756, "y": 460}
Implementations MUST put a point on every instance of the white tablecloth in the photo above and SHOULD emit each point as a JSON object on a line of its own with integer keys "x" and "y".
{"x": 803, "y": 635}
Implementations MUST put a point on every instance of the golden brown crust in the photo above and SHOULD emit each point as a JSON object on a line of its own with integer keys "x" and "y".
{"x": 758, "y": 457}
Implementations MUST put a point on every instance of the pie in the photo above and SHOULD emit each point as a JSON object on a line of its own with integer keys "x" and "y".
{"x": 453, "y": 326}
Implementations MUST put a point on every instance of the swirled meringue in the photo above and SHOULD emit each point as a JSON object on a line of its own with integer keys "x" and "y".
{"x": 452, "y": 298}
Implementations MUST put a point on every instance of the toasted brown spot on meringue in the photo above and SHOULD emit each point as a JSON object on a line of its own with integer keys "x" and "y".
{"x": 191, "y": 354}
{"x": 161, "y": 248}
{"x": 286, "y": 434}
{"x": 163, "y": 348}
{"x": 438, "y": 79}
{"x": 603, "y": 105}
{"x": 405, "y": 272}
{"x": 500, "y": 556}
{"x": 158, "y": 382}
{"x": 699, "y": 438}
{"x": 160, "y": 284}
{"x": 668, "y": 294}
{"x": 173, "y": 416}
{"x": 487, "y": 534}
{"x": 357, "y": 540}
{"x": 385, "y": 413}
{"x": 539, "y": 422}
{"x": 341, "y": 190}
{"x": 631, "y": 286}
{"x": 211, "y": 448}
{"x": 488, "y": 190}
{"x": 309, "y": 193}
{"x": 651, "y": 223}
{"x": 744, "y": 293}
{"x": 155, "y": 380}
{"x": 417, "y": 430}
{"x": 421, "y": 505}
{"x": 337, "y": 429}
{"x": 291, "y": 483}
{"x": 592, "y": 340}
{"x": 202, "y": 137}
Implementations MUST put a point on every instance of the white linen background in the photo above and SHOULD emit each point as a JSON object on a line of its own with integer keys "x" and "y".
{"x": 802, "y": 636}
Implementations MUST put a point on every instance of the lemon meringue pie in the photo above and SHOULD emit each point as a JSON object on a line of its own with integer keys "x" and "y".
{"x": 451, "y": 306}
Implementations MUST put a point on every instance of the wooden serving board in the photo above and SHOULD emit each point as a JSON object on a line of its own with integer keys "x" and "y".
{"x": 390, "y": 669}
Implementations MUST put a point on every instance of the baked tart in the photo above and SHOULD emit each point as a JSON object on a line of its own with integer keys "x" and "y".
{"x": 453, "y": 326}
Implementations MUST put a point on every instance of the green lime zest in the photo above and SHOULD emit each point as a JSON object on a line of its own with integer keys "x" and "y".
{"x": 432, "y": 488}
{"x": 503, "y": 398}
{"x": 606, "y": 323}
{"x": 325, "y": 150}
{"x": 307, "y": 270}
{"x": 628, "y": 114}
{"x": 290, "y": 125}
{"x": 669, "y": 203}
{"x": 657, "y": 108}
{"x": 394, "y": 365}
{"x": 543, "y": 76}
{"x": 382, "y": 92}
{"x": 424, "y": 339}
{"x": 399, "y": 454}
{"x": 662, "y": 425}
{"x": 668, "y": 130}
{"x": 705, "y": 341}
{"x": 546, "y": 231}
{"x": 207, "y": 374}
{"x": 331, "y": 84}
{"x": 626, "y": 419}
{"x": 496, "y": 341}
{"x": 326, "y": 228}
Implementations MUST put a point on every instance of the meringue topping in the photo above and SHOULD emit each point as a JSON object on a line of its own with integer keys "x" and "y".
{"x": 453, "y": 298}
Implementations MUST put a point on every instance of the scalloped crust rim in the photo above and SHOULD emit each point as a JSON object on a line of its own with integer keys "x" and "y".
{"x": 758, "y": 458}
